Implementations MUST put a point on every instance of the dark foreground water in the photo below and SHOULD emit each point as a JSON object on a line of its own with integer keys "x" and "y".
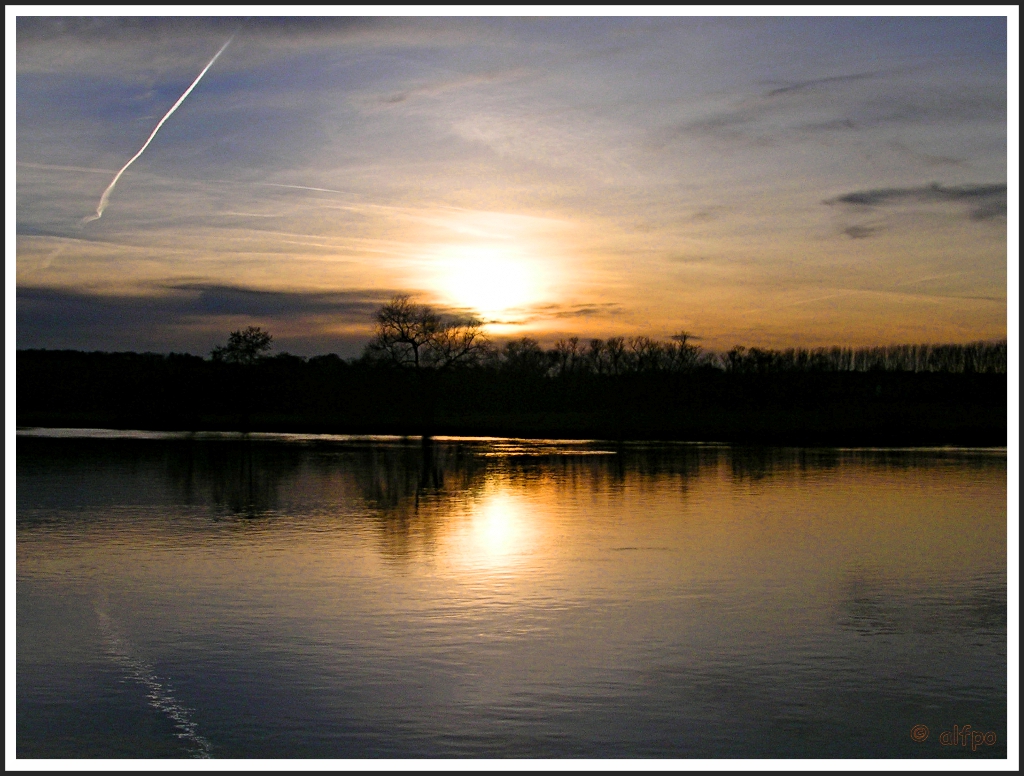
{"x": 288, "y": 596}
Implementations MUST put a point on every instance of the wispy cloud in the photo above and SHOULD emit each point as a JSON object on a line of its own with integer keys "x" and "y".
{"x": 983, "y": 201}
{"x": 53, "y": 44}
{"x": 857, "y": 102}
{"x": 857, "y": 232}
{"x": 816, "y": 83}
{"x": 932, "y": 160}
{"x": 580, "y": 310}
{"x": 569, "y": 311}
{"x": 440, "y": 87}
{"x": 303, "y": 188}
{"x": 66, "y": 168}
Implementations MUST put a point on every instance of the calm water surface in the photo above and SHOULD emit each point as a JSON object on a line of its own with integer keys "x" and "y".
{"x": 289, "y": 596}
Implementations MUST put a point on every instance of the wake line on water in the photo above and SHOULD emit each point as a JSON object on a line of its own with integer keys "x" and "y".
{"x": 105, "y": 198}
{"x": 158, "y": 694}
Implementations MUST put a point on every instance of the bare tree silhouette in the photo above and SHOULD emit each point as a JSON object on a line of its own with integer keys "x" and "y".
{"x": 245, "y": 346}
{"x": 417, "y": 337}
{"x": 414, "y": 335}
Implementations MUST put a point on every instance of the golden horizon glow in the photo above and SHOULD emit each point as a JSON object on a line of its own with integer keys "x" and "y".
{"x": 698, "y": 179}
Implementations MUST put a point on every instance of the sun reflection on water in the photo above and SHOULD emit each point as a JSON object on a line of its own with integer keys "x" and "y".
{"x": 497, "y": 534}
{"x": 440, "y": 600}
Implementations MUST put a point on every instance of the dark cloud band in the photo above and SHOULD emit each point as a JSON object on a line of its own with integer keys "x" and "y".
{"x": 58, "y": 318}
{"x": 984, "y": 201}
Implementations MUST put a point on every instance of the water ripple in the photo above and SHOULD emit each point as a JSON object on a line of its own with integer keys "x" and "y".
{"x": 158, "y": 693}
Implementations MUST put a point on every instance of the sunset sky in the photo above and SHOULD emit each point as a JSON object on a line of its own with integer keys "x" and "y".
{"x": 759, "y": 181}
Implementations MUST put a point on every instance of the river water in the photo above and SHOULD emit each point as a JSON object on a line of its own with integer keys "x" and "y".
{"x": 281, "y": 596}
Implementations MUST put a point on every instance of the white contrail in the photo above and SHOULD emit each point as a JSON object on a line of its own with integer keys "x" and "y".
{"x": 106, "y": 194}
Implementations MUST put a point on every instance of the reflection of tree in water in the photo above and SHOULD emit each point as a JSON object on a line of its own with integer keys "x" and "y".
{"x": 679, "y": 463}
{"x": 754, "y": 464}
{"x": 239, "y": 476}
{"x": 414, "y": 489}
{"x": 762, "y": 463}
{"x": 417, "y": 491}
{"x": 611, "y": 466}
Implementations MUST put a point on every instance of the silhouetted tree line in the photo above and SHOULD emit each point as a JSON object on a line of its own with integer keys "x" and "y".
{"x": 980, "y": 357}
{"x": 612, "y": 357}
{"x": 635, "y": 355}
{"x": 424, "y": 373}
{"x": 416, "y": 336}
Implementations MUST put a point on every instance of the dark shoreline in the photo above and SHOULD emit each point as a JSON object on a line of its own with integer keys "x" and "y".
{"x": 564, "y": 428}
{"x": 68, "y": 389}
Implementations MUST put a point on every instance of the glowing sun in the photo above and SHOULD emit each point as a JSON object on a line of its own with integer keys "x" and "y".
{"x": 490, "y": 280}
